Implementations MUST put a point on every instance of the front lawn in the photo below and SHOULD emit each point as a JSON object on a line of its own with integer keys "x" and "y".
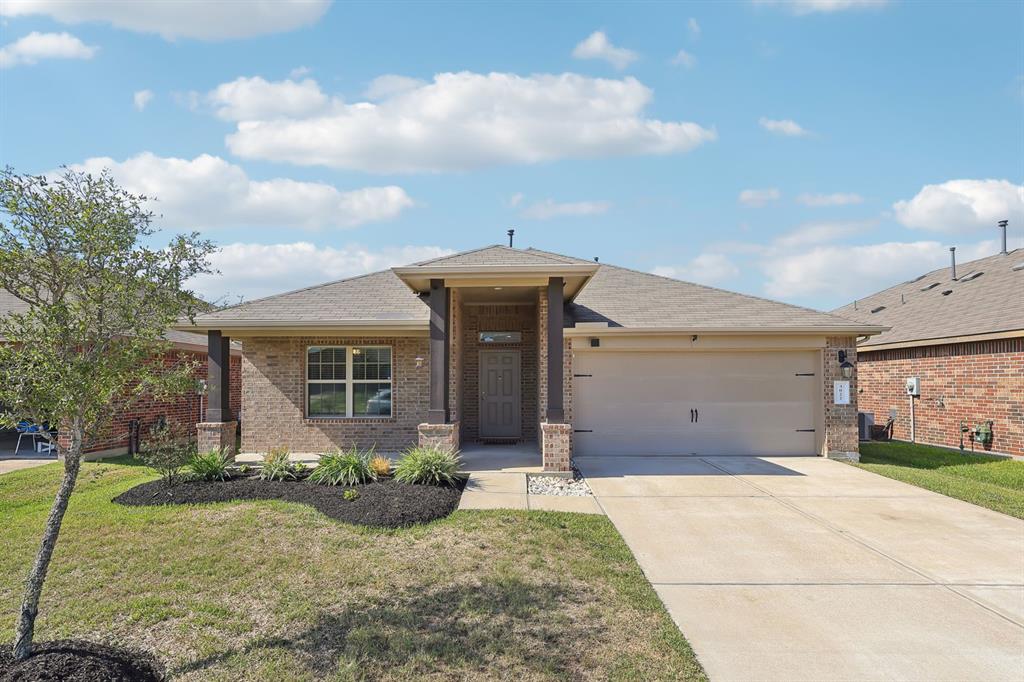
{"x": 993, "y": 482}
{"x": 276, "y": 590}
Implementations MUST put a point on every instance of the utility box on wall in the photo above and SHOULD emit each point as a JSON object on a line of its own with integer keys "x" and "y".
{"x": 914, "y": 386}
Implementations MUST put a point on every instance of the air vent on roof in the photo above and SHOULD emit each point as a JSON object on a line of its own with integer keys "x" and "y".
{"x": 1018, "y": 266}
{"x": 947, "y": 292}
{"x": 930, "y": 286}
{"x": 878, "y": 309}
{"x": 916, "y": 279}
{"x": 973, "y": 275}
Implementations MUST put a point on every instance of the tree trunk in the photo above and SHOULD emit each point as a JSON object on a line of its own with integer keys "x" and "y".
{"x": 34, "y": 583}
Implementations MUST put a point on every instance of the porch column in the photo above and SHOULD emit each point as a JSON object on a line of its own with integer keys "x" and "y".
{"x": 556, "y": 411}
{"x": 218, "y": 381}
{"x": 438, "y": 411}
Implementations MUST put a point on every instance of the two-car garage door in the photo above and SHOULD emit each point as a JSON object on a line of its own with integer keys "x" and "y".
{"x": 703, "y": 403}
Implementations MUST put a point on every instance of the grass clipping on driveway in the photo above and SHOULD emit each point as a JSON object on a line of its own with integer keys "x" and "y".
{"x": 987, "y": 481}
{"x": 276, "y": 590}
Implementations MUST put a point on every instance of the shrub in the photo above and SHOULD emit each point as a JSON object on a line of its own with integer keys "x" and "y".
{"x": 430, "y": 465}
{"x": 276, "y": 466}
{"x": 381, "y": 465}
{"x": 351, "y": 495}
{"x": 166, "y": 450}
{"x": 211, "y": 466}
{"x": 350, "y": 467}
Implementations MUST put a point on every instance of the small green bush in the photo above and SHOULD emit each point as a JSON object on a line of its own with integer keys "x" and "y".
{"x": 351, "y": 495}
{"x": 350, "y": 467}
{"x": 276, "y": 466}
{"x": 167, "y": 449}
{"x": 213, "y": 465}
{"x": 430, "y": 465}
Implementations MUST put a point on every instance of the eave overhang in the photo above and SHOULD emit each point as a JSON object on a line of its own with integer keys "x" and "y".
{"x": 240, "y": 328}
{"x": 588, "y": 330}
{"x": 575, "y": 275}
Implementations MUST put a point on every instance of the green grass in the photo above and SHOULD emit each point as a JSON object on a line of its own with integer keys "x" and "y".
{"x": 272, "y": 590}
{"x": 993, "y": 482}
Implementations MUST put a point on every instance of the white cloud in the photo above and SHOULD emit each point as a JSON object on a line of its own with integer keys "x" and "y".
{"x": 836, "y": 199}
{"x": 963, "y": 206}
{"x": 298, "y": 72}
{"x": 463, "y": 121}
{"x": 757, "y": 198}
{"x": 684, "y": 58}
{"x": 389, "y": 85}
{"x": 142, "y": 98}
{"x": 786, "y": 127}
{"x": 707, "y": 268}
{"x": 801, "y": 7}
{"x": 819, "y": 233}
{"x": 597, "y": 46}
{"x": 255, "y": 270}
{"x": 36, "y": 46}
{"x": 515, "y": 199}
{"x": 174, "y": 19}
{"x": 255, "y": 98}
{"x": 209, "y": 192}
{"x": 847, "y": 272}
{"x": 547, "y": 209}
{"x": 694, "y": 28}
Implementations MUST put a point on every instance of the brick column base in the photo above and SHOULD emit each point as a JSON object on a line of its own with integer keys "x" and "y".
{"x": 443, "y": 436}
{"x": 217, "y": 436}
{"x": 844, "y": 456}
{"x": 556, "y": 446}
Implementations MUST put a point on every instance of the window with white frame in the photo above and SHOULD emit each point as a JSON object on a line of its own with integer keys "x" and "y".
{"x": 348, "y": 381}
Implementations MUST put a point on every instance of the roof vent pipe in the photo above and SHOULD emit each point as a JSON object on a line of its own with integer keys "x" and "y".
{"x": 511, "y": 233}
{"x": 952, "y": 261}
{"x": 1002, "y": 225}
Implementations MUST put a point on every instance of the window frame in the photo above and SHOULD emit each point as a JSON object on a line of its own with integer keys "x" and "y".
{"x": 349, "y": 382}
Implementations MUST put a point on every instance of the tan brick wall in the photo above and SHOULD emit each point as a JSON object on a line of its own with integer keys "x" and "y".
{"x": 216, "y": 436}
{"x": 554, "y": 437}
{"x": 556, "y": 446}
{"x": 455, "y": 382}
{"x": 964, "y": 382}
{"x": 477, "y": 318}
{"x": 444, "y": 436}
{"x": 273, "y": 397}
{"x": 840, "y": 420}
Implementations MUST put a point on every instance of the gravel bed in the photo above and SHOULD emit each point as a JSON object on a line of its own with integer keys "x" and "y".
{"x": 382, "y": 503}
{"x": 554, "y": 485}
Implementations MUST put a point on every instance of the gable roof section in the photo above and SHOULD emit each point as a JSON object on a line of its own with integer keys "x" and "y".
{"x": 496, "y": 254}
{"x": 992, "y": 302}
{"x": 629, "y": 298}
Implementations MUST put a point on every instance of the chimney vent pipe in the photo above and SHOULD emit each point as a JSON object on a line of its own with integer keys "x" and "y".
{"x": 511, "y": 233}
{"x": 1002, "y": 225}
{"x": 952, "y": 261}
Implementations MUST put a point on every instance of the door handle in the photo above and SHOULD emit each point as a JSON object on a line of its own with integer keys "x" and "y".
{"x": 696, "y": 416}
{"x": 691, "y": 415}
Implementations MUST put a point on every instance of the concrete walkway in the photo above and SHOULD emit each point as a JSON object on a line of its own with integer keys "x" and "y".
{"x": 809, "y": 569}
{"x": 9, "y": 464}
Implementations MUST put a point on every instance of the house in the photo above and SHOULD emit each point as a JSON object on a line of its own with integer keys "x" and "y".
{"x": 185, "y": 410}
{"x": 521, "y": 345}
{"x": 960, "y": 331}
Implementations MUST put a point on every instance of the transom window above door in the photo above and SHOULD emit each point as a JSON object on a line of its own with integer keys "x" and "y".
{"x": 501, "y": 337}
{"x": 348, "y": 381}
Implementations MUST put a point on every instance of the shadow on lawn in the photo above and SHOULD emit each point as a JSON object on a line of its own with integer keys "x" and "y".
{"x": 509, "y": 623}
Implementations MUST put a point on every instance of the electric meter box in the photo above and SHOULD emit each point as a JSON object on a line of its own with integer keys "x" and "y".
{"x": 914, "y": 386}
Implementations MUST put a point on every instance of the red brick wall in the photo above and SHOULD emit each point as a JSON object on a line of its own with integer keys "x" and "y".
{"x": 184, "y": 410}
{"x": 970, "y": 382}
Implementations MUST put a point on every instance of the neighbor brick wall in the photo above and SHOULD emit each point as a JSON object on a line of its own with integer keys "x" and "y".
{"x": 969, "y": 382}
{"x": 273, "y": 397}
{"x": 183, "y": 410}
{"x": 841, "y": 434}
{"x": 477, "y": 318}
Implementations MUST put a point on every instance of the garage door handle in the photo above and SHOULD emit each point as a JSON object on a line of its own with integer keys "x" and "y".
{"x": 691, "y": 415}
{"x": 696, "y": 415}
{"x": 805, "y": 430}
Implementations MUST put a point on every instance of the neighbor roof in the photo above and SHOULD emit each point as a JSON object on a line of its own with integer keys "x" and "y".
{"x": 9, "y": 303}
{"x": 987, "y": 297}
{"x": 617, "y": 296}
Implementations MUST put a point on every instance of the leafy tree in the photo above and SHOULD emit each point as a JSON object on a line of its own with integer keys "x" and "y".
{"x": 168, "y": 448}
{"x": 77, "y": 250}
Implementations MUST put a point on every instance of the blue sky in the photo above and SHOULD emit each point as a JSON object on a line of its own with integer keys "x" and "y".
{"x": 810, "y": 151}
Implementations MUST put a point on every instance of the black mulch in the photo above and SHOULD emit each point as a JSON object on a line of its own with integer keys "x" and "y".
{"x": 77, "y": 661}
{"x": 382, "y": 503}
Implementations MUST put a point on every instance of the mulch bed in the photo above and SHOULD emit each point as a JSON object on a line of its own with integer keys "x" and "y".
{"x": 382, "y": 503}
{"x": 78, "y": 661}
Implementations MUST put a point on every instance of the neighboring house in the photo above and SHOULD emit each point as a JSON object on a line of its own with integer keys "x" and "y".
{"x": 504, "y": 345}
{"x": 963, "y": 337}
{"x": 147, "y": 411}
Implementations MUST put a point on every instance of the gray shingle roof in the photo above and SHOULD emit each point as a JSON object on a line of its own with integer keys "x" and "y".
{"x": 628, "y": 298}
{"x": 621, "y": 297}
{"x": 918, "y": 310}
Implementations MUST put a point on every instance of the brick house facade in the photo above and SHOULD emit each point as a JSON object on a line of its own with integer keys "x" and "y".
{"x": 961, "y": 384}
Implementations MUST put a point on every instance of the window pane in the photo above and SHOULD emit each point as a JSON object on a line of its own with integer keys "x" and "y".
{"x": 371, "y": 399}
{"x": 314, "y": 371}
{"x": 501, "y": 337}
{"x": 371, "y": 364}
{"x": 326, "y": 400}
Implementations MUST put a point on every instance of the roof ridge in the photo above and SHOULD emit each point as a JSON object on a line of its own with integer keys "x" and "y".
{"x": 459, "y": 253}
{"x": 731, "y": 293}
{"x": 554, "y": 253}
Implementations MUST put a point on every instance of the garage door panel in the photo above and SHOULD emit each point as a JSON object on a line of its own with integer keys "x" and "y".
{"x": 640, "y": 403}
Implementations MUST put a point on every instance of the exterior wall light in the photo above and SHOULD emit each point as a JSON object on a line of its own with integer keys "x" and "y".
{"x": 419, "y": 363}
{"x": 845, "y": 366}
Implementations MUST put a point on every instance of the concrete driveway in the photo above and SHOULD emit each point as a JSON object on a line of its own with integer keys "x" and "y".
{"x": 804, "y": 568}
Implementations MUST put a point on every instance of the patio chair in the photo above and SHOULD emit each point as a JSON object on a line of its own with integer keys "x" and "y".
{"x": 29, "y": 429}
